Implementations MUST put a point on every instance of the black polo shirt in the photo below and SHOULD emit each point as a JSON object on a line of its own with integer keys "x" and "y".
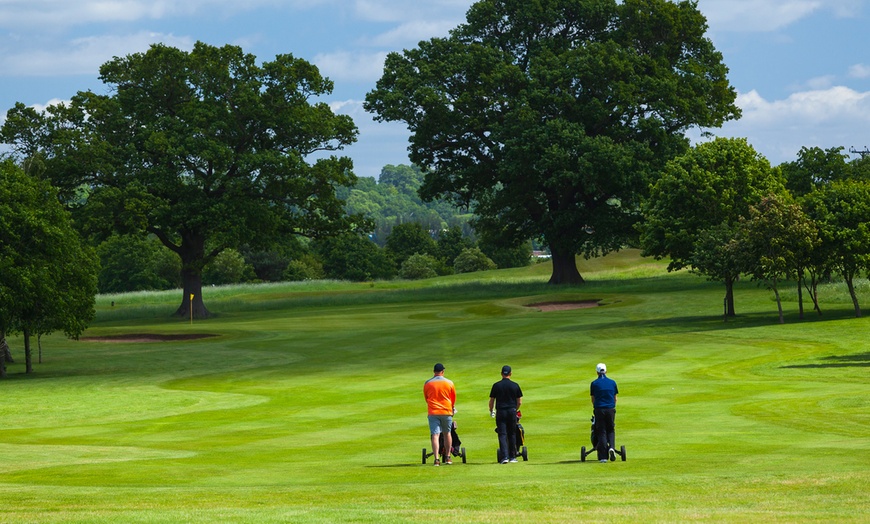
{"x": 506, "y": 392}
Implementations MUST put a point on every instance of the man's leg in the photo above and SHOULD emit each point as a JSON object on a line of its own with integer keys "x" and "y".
{"x": 512, "y": 434}
{"x": 435, "y": 432}
{"x": 601, "y": 433}
{"x": 611, "y": 427}
{"x": 501, "y": 428}
{"x": 611, "y": 432}
{"x": 435, "y": 448}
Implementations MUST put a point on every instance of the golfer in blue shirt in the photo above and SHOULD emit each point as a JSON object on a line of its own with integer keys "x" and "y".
{"x": 604, "y": 391}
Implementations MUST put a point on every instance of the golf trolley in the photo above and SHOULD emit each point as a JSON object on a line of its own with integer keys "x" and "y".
{"x": 584, "y": 453}
{"x": 520, "y": 450}
{"x": 456, "y": 451}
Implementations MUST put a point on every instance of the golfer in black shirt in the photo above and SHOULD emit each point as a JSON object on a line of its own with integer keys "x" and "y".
{"x": 507, "y": 397}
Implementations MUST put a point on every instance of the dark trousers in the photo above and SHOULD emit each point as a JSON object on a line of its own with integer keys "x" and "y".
{"x": 605, "y": 430}
{"x": 506, "y": 426}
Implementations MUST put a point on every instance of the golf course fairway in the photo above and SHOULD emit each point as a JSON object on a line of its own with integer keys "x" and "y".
{"x": 304, "y": 404}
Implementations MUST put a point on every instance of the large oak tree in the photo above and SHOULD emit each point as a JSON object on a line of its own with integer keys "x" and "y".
{"x": 204, "y": 149}
{"x": 551, "y": 117}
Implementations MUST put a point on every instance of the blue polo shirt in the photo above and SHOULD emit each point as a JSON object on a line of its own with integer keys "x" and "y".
{"x": 604, "y": 390}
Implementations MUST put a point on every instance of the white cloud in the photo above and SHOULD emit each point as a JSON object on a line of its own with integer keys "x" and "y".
{"x": 404, "y": 10}
{"x": 859, "y": 71}
{"x": 82, "y": 55}
{"x": 411, "y": 33}
{"x": 821, "y": 82}
{"x": 55, "y": 14}
{"x": 817, "y": 107}
{"x": 836, "y": 116}
{"x": 379, "y": 144}
{"x": 348, "y": 66}
{"x": 755, "y": 15}
{"x": 770, "y": 15}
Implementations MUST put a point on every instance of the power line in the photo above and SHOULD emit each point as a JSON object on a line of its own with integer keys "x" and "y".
{"x": 863, "y": 152}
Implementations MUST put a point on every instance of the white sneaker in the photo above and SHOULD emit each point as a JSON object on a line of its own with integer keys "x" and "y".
{"x": 513, "y": 460}
{"x": 603, "y": 461}
{"x": 504, "y": 461}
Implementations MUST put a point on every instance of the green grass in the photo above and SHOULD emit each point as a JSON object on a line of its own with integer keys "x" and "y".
{"x": 307, "y": 406}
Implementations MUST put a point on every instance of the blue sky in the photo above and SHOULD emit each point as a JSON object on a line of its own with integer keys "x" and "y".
{"x": 801, "y": 67}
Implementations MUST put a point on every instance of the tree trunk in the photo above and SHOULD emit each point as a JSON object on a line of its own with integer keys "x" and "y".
{"x": 4, "y": 348}
{"x": 6, "y": 354}
{"x": 28, "y": 356}
{"x": 193, "y": 259}
{"x": 729, "y": 297}
{"x": 192, "y": 307}
{"x": 564, "y": 268}
{"x": 800, "y": 281}
{"x": 778, "y": 303}
{"x": 852, "y": 294}
{"x": 814, "y": 293}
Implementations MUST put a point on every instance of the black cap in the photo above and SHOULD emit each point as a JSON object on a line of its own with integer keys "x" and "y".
{"x": 506, "y": 370}
{"x": 439, "y": 367}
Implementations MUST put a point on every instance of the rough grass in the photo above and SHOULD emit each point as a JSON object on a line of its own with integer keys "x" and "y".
{"x": 307, "y": 406}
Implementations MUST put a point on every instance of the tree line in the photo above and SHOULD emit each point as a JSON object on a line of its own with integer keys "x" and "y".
{"x": 557, "y": 122}
{"x": 723, "y": 211}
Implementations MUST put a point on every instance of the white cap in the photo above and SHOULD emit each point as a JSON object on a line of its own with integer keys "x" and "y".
{"x": 601, "y": 368}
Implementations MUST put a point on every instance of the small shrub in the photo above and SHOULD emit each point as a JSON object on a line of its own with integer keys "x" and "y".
{"x": 229, "y": 267}
{"x": 306, "y": 267}
{"x": 471, "y": 260}
{"x": 418, "y": 267}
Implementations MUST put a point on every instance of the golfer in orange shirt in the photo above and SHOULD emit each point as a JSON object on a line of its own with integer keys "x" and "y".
{"x": 441, "y": 399}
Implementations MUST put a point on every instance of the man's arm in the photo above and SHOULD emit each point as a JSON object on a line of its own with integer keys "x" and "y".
{"x": 491, "y": 403}
{"x": 519, "y": 402}
{"x": 593, "y": 400}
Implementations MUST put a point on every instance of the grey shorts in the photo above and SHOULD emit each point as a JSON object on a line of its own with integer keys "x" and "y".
{"x": 439, "y": 423}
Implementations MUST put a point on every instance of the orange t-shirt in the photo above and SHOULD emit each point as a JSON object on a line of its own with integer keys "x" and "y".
{"x": 440, "y": 395}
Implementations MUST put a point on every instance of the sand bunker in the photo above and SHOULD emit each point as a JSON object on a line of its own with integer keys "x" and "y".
{"x": 563, "y": 306}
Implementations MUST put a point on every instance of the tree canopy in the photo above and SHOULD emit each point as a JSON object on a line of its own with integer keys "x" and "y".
{"x": 205, "y": 149}
{"x": 48, "y": 278}
{"x": 552, "y": 117}
{"x": 694, "y": 208}
{"x": 841, "y": 211}
{"x": 774, "y": 240}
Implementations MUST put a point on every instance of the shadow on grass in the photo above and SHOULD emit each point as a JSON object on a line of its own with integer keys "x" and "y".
{"x": 859, "y": 360}
{"x": 703, "y": 323}
{"x": 454, "y": 465}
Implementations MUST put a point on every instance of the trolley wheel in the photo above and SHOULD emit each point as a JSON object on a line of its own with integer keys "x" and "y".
{"x": 525, "y": 454}
{"x": 582, "y": 454}
{"x": 622, "y": 452}
{"x": 424, "y": 455}
{"x": 462, "y": 454}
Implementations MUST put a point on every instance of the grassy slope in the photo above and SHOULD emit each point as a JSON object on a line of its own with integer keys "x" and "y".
{"x": 307, "y": 407}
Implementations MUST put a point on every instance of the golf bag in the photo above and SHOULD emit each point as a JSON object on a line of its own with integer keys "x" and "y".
{"x": 594, "y": 439}
{"x": 456, "y": 450}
